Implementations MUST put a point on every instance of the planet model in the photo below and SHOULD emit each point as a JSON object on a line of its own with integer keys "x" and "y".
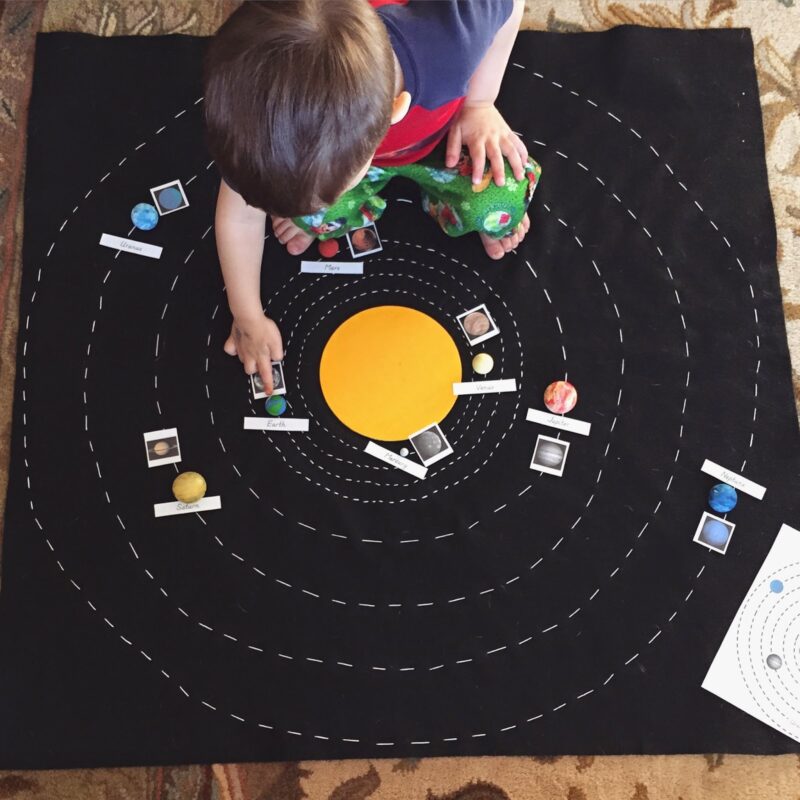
{"x": 189, "y": 487}
{"x": 776, "y": 586}
{"x": 170, "y": 198}
{"x": 560, "y": 397}
{"x": 476, "y": 324}
{"x": 774, "y": 661}
{"x": 404, "y": 451}
{"x": 715, "y": 533}
{"x": 161, "y": 448}
{"x": 144, "y": 216}
{"x": 482, "y": 363}
{"x": 722, "y": 498}
{"x": 329, "y": 248}
{"x": 549, "y": 454}
{"x": 275, "y": 405}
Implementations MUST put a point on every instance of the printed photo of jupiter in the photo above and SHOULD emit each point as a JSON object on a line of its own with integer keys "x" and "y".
{"x": 549, "y": 455}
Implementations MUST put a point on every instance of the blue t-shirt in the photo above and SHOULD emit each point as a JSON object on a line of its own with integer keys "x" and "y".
{"x": 439, "y": 44}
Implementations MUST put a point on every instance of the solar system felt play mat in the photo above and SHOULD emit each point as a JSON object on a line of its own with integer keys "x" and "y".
{"x": 469, "y": 598}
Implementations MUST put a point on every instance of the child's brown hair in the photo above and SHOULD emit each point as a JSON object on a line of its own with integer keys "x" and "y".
{"x": 298, "y": 94}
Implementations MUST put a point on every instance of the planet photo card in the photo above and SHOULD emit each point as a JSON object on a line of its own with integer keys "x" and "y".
{"x": 714, "y": 533}
{"x": 477, "y": 324}
{"x": 364, "y": 241}
{"x": 169, "y": 197}
{"x": 162, "y": 447}
{"x": 550, "y": 455}
{"x": 278, "y": 382}
{"x": 430, "y": 444}
{"x": 173, "y": 507}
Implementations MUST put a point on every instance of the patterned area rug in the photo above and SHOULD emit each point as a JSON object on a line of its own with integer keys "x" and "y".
{"x": 776, "y": 31}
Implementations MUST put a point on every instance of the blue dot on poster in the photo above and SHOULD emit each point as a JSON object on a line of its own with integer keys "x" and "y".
{"x": 170, "y": 198}
{"x": 776, "y": 586}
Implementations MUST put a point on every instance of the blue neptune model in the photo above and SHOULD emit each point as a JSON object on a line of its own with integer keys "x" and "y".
{"x": 722, "y": 498}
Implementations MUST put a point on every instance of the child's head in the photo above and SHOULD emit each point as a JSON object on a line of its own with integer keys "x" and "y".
{"x": 298, "y": 95}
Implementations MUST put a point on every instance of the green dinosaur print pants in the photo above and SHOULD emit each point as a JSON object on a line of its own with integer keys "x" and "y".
{"x": 448, "y": 195}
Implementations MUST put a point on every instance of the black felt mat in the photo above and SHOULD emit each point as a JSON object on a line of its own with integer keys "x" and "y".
{"x": 333, "y": 608}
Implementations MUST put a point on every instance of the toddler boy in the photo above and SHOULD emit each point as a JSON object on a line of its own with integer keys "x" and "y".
{"x": 312, "y": 106}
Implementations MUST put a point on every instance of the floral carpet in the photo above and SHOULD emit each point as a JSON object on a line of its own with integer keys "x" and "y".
{"x": 775, "y": 26}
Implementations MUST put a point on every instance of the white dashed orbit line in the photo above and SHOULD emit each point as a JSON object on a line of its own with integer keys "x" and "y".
{"x": 655, "y": 153}
{"x": 772, "y": 674}
{"x": 744, "y": 647}
{"x": 450, "y": 430}
{"x": 320, "y": 319}
{"x": 312, "y": 284}
{"x": 148, "y": 658}
{"x": 445, "y": 535}
{"x": 457, "y": 599}
{"x": 371, "y": 605}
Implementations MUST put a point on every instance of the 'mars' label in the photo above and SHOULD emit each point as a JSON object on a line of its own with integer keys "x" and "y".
{"x": 332, "y": 267}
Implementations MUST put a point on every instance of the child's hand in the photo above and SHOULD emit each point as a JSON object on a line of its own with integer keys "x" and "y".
{"x": 481, "y": 128}
{"x": 257, "y": 342}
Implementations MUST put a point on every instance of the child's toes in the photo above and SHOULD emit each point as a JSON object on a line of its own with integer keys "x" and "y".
{"x": 494, "y": 247}
{"x": 299, "y": 243}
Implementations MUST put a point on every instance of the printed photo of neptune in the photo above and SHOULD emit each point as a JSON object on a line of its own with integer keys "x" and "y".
{"x": 715, "y": 533}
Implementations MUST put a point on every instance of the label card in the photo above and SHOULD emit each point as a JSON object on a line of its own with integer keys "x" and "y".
{"x": 332, "y": 267}
{"x": 737, "y": 481}
{"x": 557, "y": 421}
{"x": 486, "y": 387}
{"x": 204, "y": 504}
{"x": 131, "y": 246}
{"x": 275, "y": 424}
{"x": 393, "y": 459}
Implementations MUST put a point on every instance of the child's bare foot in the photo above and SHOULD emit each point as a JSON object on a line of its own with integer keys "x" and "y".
{"x": 497, "y": 248}
{"x": 286, "y": 232}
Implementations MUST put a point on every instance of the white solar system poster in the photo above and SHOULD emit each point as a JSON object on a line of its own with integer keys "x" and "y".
{"x": 757, "y": 667}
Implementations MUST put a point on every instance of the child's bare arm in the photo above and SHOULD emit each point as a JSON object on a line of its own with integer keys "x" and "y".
{"x": 254, "y": 338}
{"x": 479, "y": 125}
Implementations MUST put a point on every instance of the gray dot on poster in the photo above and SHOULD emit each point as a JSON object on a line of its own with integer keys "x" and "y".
{"x": 774, "y": 661}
